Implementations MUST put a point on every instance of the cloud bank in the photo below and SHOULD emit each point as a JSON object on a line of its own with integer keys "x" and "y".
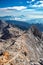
{"x": 14, "y": 8}
{"x": 32, "y": 9}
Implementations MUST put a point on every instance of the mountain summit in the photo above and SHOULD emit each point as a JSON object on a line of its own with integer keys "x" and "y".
{"x": 20, "y": 47}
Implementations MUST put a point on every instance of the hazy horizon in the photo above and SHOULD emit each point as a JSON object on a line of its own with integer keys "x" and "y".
{"x": 22, "y": 10}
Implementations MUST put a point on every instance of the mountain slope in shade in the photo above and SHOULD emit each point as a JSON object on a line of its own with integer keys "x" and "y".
{"x": 25, "y": 25}
{"x": 36, "y": 21}
{"x": 2, "y": 24}
{"x": 22, "y": 48}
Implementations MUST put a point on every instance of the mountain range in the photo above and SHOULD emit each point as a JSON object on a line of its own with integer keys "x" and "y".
{"x": 38, "y": 22}
{"x": 30, "y": 21}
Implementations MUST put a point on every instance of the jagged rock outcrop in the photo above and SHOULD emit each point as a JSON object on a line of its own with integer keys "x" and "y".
{"x": 6, "y": 35}
{"x": 35, "y": 31}
{"x": 3, "y": 24}
{"x": 8, "y": 31}
{"x": 20, "y": 47}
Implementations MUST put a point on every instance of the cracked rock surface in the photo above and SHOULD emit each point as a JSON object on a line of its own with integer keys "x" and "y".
{"x": 18, "y": 47}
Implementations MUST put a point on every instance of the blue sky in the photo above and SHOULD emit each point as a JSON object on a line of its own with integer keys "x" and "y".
{"x": 6, "y": 3}
{"x": 22, "y": 10}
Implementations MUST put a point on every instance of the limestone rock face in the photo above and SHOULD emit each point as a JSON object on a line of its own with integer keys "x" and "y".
{"x": 18, "y": 47}
{"x": 35, "y": 31}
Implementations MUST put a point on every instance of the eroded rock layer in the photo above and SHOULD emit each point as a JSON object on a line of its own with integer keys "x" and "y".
{"x": 18, "y": 47}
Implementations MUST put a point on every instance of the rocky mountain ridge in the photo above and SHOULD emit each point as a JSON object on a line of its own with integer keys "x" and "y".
{"x": 18, "y": 47}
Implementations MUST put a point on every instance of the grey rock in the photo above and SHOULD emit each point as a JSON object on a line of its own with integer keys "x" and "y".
{"x": 35, "y": 31}
{"x": 29, "y": 42}
{"x": 41, "y": 61}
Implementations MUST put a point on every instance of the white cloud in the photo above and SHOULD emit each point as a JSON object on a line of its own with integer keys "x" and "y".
{"x": 19, "y": 7}
{"x": 20, "y": 19}
{"x": 17, "y": 18}
{"x": 41, "y": 1}
{"x": 22, "y": 10}
{"x": 28, "y": 2}
{"x": 33, "y": 0}
{"x": 14, "y": 7}
{"x": 37, "y": 4}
